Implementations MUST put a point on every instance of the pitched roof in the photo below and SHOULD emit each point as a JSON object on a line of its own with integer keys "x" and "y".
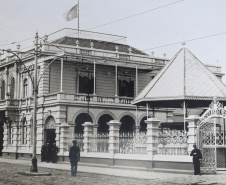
{"x": 98, "y": 44}
{"x": 183, "y": 78}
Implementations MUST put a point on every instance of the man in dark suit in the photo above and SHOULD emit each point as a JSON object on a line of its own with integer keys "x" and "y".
{"x": 74, "y": 156}
{"x": 197, "y": 156}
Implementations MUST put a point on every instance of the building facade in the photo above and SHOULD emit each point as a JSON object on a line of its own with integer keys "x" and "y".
{"x": 82, "y": 77}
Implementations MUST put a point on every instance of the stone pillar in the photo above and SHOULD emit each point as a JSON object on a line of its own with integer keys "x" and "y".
{"x": 113, "y": 136}
{"x": 63, "y": 130}
{"x": 152, "y": 135}
{"x": 95, "y": 129}
{"x": 136, "y": 128}
{"x": 192, "y": 125}
{"x": 88, "y": 129}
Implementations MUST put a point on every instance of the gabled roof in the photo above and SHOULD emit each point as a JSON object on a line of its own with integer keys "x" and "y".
{"x": 183, "y": 78}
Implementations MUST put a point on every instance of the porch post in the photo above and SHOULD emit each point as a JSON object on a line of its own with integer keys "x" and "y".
{"x": 94, "y": 78}
{"x": 116, "y": 79}
{"x": 113, "y": 136}
{"x": 136, "y": 81}
{"x": 192, "y": 125}
{"x": 61, "y": 76}
{"x": 152, "y": 135}
{"x": 88, "y": 129}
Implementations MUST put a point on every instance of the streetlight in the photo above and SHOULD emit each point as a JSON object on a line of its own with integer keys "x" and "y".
{"x": 34, "y": 167}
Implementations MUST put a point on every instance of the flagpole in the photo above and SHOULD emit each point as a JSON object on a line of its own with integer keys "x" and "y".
{"x": 78, "y": 18}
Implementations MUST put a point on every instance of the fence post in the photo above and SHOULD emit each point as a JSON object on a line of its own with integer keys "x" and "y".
{"x": 88, "y": 129}
{"x": 113, "y": 136}
{"x": 152, "y": 135}
{"x": 63, "y": 131}
{"x": 192, "y": 125}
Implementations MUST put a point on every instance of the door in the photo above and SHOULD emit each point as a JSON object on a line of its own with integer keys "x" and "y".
{"x": 50, "y": 136}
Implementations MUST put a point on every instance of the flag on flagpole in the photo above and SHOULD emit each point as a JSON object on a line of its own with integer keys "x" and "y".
{"x": 72, "y": 13}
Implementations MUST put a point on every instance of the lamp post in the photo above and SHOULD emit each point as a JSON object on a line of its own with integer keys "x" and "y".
{"x": 34, "y": 167}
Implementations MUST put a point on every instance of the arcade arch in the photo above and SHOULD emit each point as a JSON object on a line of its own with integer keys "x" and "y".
{"x": 81, "y": 119}
{"x": 102, "y": 122}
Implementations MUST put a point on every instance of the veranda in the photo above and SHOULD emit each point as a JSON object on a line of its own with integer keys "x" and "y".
{"x": 168, "y": 149}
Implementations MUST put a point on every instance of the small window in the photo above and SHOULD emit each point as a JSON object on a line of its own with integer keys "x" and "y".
{"x": 25, "y": 88}
{"x": 11, "y": 87}
{"x": 2, "y": 89}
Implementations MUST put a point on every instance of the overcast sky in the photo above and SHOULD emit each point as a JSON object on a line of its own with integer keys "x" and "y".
{"x": 165, "y": 22}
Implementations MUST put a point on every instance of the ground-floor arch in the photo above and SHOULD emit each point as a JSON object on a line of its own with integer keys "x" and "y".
{"x": 50, "y": 131}
{"x": 81, "y": 119}
{"x": 102, "y": 122}
{"x": 143, "y": 125}
{"x": 128, "y": 124}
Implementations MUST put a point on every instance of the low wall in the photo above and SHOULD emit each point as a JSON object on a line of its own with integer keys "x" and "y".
{"x": 143, "y": 161}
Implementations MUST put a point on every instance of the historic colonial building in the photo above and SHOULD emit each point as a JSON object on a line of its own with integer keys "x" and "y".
{"x": 82, "y": 77}
{"x": 86, "y": 77}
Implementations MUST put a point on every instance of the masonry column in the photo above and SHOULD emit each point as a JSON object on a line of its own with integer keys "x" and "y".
{"x": 113, "y": 136}
{"x": 192, "y": 125}
{"x": 88, "y": 130}
{"x": 95, "y": 129}
{"x": 63, "y": 131}
{"x": 152, "y": 135}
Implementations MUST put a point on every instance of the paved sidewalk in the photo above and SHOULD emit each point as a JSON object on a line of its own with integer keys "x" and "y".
{"x": 178, "y": 178}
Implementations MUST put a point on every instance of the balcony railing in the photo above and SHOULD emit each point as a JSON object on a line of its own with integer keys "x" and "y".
{"x": 67, "y": 97}
{"x": 76, "y": 98}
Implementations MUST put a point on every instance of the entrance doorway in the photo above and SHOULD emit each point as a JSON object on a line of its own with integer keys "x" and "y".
{"x": 50, "y": 136}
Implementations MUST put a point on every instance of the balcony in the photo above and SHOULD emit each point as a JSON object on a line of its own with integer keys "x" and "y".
{"x": 83, "y": 98}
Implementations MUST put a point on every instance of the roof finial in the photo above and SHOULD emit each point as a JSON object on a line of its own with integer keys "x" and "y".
{"x": 183, "y": 43}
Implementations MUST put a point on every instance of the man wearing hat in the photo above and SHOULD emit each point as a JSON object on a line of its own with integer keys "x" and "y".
{"x": 197, "y": 157}
{"x": 74, "y": 156}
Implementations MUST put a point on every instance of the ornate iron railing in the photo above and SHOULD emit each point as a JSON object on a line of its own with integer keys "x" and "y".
{"x": 173, "y": 142}
{"x": 78, "y": 137}
{"x": 132, "y": 143}
{"x": 172, "y": 137}
{"x": 98, "y": 142}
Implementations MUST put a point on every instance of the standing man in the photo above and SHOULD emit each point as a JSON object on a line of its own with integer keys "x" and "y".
{"x": 197, "y": 156}
{"x": 74, "y": 156}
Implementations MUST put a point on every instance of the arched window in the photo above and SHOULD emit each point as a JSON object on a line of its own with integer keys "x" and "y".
{"x": 11, "y": 87}
{"x": 25, "y": 88}
{"x": 23, "y": 132}
{"x": 2, "y": 89}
